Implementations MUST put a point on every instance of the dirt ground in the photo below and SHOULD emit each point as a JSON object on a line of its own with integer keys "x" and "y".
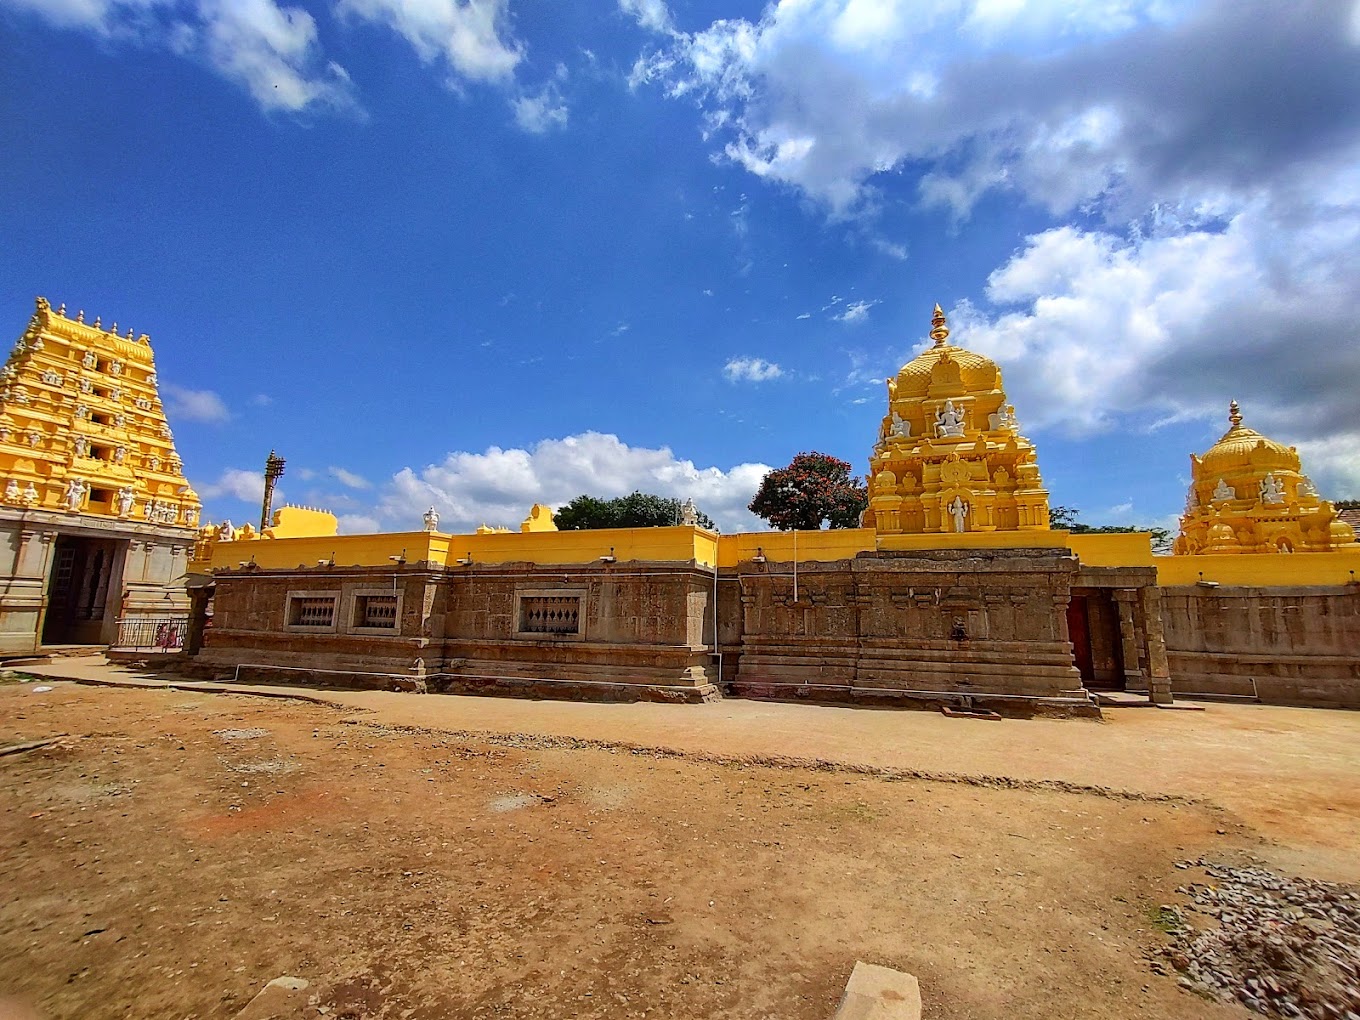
{"x": 177, "y": 850}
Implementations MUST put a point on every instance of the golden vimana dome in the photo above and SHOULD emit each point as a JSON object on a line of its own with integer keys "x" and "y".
{"x": 1248, "y": 495}
{"x": 949, "y": 456}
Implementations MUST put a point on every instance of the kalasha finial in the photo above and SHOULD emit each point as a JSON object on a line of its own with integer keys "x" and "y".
{"x": 939, "y": 332}
{"x": 1234, "y": 415}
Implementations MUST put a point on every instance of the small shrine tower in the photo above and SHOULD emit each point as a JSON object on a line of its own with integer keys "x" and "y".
{"x": 949, "y": 456}
{"x": 92, "y": 490}
{"x": 1248, "y": 495}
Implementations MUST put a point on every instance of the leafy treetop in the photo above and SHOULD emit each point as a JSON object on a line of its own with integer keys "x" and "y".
{"x": 813, "y": 489}
{"x": 1064, "y": 518}
{"x": 637, "y": 510}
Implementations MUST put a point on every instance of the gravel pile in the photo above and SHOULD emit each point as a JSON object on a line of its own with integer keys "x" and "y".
{"x": 1287, "y": 947}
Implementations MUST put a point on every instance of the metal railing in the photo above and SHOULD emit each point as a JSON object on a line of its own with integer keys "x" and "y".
{"x": 152, "y": 633}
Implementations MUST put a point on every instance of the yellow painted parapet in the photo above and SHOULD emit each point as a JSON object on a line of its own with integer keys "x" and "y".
{"x": 676, "y": 544}
{"x": 786, "y": 546}
{"x": 1321, "y": 568}
{"x": 82, "y": 428}
{"x": 1116, "y": 549}
{"x": 302, "y": 522}
{"x": 950, "y": 458}
{"x": 336, "y": 550}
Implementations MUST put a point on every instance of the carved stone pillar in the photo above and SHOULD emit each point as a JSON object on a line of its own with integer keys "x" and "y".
{"x": 1159, "y": 671}
{"x": 1130, "y": 645}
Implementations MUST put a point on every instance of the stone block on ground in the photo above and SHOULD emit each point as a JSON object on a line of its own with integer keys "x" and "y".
{"x": 879, "y": 993}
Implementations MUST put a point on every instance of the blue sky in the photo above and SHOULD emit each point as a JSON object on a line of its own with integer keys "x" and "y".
{"x": 482, "y": 254}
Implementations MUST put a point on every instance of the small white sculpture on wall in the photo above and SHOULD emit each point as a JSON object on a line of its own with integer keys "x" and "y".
{"x": 1003, "y": 418}
{"x": 34, "y": 438}
{"x": 1306, "y": 490}
{"x": 689, "y": 514}
{"x": 75, "y": 492}
{"x": 51, "y": 378}
{"x": 190, "y": 514}
{"x": 117, "y": 368}
{"x": 82, "y": 411}
{"x": 431, "y": 519}
{"x": 89, "y": 361}
{"x": 116, "y": 393}
{"x": 120, "y": 454}
{"x": 86, "y": 386}
{"x": 12, "y": 493}
{"x": 1191, "y": 503}
{"x": 125, "y": 500}
{"x": 1272, "y": 491}
{"x": 949, "y": 420}
{"x": 153, "y": 462}
{"x": 1223, "y": 491}
{"x": 900, "y": 426}
{"x": 959, "y": 511}
{"x": 30, "y": 495}
{"x": 82, "y": 446}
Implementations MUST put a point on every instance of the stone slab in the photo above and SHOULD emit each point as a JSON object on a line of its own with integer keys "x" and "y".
{"x": 879, "y": 993}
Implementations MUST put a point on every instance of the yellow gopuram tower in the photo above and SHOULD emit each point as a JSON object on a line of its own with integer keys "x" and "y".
{"x": 1248, "y": 495}
{"x": 949, "y": 456}
{"x": 97, "y": 515}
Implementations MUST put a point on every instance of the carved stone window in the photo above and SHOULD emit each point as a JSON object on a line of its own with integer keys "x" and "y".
{"x": 376, "y": 611}
{"x": 555, "y": 613}
{"x": 311, "y": 610}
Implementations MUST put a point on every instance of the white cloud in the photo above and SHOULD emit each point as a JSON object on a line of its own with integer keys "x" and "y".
{"x": 856, "y": 312}
{"x": 183, "y": 404}
{"x": 471, "y": 36}
{"x": 650, "y": 14}
{"x": 236, "y": 483}
{"x": 751, "y": 370}
{"x": 541, "y": 112}
{"x": 890, "y": 248}
{"x": 805, "y": 315}
{"x": 498, "y": 486}
{"x": 349, "y": 478}
{"x": 271, "y": 50}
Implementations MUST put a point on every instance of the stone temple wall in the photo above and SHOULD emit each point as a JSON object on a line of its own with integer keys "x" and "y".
{"x": 1297, "y": 646}
{"x": 990, "y": 624}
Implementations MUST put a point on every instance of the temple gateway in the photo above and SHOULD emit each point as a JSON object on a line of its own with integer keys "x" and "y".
{"x": 954, "y": 591}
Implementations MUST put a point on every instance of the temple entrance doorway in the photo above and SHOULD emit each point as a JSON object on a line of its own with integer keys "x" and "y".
{"x": 82, "y": 593}
{"x": 1093, "y": 626}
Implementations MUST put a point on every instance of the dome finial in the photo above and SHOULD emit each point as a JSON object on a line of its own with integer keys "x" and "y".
{"x": 939, "y": 332}
{"x": 1234, "y": 414}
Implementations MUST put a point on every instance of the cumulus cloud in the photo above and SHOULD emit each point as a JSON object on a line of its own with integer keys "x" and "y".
{"x": 348, "y": 478}
{"x": 650, "y": 14}
{"x": 471, "y": 37}
{"x": 1216, "y": 95}
{"x": 236, "y": 483}
{"x": 271, "y": 50}
{"x": 751, "y": 370}
{"x": 183, "y": 404}
{"x": 1096, "y": 328}
{"x": 498, "y": 486}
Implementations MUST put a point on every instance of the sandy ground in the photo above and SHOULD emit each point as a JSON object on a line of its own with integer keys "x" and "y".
{"x": 532, "y": 859}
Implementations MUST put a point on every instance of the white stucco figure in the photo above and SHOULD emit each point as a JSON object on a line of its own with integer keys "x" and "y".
{"x": 89, "y": 361}
{"x": 949, "y": 420}
{"x": 30, "y": 495}
{"x": 1272, "y": 491}
{"x": 1223, "y": 491}
{"x": 689, "y": 514}
{"x": 1306, "y": 489}
{"x": 900, "y": 426}
{"x": 125, "y": 500}
{"x": 120, "y": 454}
{"x": 82, "y": 446}
{"x": 431, "y": 519}
{"x": 12, "y": 493}
{"x": 959, "y": 511}
{"x": 75, "y": 492}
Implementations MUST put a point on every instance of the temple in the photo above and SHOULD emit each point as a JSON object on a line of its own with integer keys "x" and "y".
{"x": 955, "y": 591}
{"x": 949, "y": 456}
{"x": 97, "y": 516}
{"x": 1248, "y": 495}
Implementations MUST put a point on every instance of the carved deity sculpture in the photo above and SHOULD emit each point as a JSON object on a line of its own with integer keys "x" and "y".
{"x": 900, "y": 426}
{"x": 120, "y": 454}
{"x": 12, "y": 493}
{"x": 1271, "y": 490}
{"x": 75, "y": 492}
{"x": 34, "y": 438}
{"x": 153, "y": 462}
{"x": 82, "y": 446}
{"x": 431, "y": 519}
{"x": 89, "y": 361}
{"x": 125, "y": 499}
{"x": 117, "y": 367}
{"x": 116, "y": 393}
{"x": 1003, "y": 418}
{"x": 190, "y": 515}
{"x": 689, "y": 514}
{"x": 1306, "y": 488}
{"x": 30, "y": 495}
{"x": 1223, "y": 491}
{"x": 958, "y": 510}
{"x": 948, "y": 420}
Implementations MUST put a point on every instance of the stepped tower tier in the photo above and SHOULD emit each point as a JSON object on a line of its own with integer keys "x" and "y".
{"x": 949, "y": 456}
{"x": 82, "y": 430}
{"x": 1248, "y": 495}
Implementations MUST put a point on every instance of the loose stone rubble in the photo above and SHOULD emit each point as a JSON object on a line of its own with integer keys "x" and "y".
{"x": 1284, "y": 947}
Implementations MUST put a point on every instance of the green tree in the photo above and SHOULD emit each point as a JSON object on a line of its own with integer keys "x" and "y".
{"x": 636, "y": 510}
{"x": 814, "y": 488}
{"x": 1064, "y": 518}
